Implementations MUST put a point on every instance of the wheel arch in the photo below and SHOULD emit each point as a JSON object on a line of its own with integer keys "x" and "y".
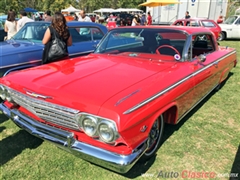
{"x": 169, "y": 113}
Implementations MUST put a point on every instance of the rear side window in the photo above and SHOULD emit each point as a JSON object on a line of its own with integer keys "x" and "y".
{"x": 192, "y": 23}
{"x": 97, "y": 34}
{"x": 208, "y": 24}
{"x": 84, "y": 34}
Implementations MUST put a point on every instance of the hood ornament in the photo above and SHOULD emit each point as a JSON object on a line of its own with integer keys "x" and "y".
{"x": 33, "y": 94}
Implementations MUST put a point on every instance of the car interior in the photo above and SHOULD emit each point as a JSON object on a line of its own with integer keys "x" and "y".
{"x": 153, "y": 43}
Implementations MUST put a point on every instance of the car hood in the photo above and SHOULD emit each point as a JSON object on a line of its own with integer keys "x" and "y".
{"x": 223, "y": 26}
{"x": 15, "y": 47}
{"x": 85, "y": 83}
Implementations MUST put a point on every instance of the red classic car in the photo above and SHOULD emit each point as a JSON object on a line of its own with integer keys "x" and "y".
{"x": 200, "y": 22}
{"x": 110, "y": 107}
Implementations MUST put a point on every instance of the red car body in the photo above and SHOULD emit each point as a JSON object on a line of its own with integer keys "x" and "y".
{"x": 200, "y": 22}
{"x": 110, "y": 107}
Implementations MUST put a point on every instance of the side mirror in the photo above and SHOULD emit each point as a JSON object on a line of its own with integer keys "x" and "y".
{"x": 202, "y": 58}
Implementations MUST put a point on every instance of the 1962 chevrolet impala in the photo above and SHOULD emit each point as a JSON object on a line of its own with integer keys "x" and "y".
{"x": 109, "y": 107}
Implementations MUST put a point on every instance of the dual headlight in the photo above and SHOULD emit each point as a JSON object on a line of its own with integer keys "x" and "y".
{"x": 98, "y": 127}
{"x": 5, "y": 93}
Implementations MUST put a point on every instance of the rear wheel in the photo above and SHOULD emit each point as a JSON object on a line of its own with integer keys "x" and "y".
{"x": 154, "y": 139}
{"x": 222, "y": 36}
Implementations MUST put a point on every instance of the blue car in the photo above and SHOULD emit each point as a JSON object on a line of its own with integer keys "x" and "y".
{"x": 25, "y": 49}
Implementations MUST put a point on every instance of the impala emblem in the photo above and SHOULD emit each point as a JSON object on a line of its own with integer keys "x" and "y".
{"x": 38, "y": 95}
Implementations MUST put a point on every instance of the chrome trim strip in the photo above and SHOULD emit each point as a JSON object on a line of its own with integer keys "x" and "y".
{"x": 126, "y": 97}
{"x": 19, "y": 64}
{"x": 66, "y": 140}
{"x": 85, "y": 52}
{"x": 35, "y": 61}
{"x": 174, "y": 85}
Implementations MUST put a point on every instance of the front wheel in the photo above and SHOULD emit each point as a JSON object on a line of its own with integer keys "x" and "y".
{"x": 222, "y": 36}
{"x": 154, "y": 138}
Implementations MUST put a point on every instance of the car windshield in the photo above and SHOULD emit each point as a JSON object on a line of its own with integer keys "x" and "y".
{"x": 143, "y": 40}
{"x": 230, "y": 20}
{"x": 33, "y": 32}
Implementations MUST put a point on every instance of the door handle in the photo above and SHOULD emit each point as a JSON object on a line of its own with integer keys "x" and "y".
{"x": 215, "y": 64}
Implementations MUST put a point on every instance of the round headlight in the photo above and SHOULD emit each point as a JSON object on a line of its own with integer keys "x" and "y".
{"x": 106, "y": 132}
{"x": 89, "y": 125}
{"x": 2, "y": 92}
{"x": 8, "y": 96}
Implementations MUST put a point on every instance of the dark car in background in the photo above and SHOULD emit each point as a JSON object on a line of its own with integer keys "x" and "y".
{"x": 2, "y": 32}
{"x": 25, "y": 48}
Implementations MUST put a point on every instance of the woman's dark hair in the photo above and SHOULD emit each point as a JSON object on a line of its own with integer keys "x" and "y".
{"x": 11, "y": 16}
{"x": 59, "y": 23}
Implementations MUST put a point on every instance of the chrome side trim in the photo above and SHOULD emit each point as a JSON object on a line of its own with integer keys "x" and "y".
{"x": 80, "y": 53}
{"x": 66, "y": 140}
{"x": 126, "y": 97}
{"x": 40, "y": 60}
{"x": 174, "y": 85}
{"x": 19, "y": 64}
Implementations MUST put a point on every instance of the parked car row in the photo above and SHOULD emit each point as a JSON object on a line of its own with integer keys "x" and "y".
{"x": 230, "y": 28}
{"x": 200, "y": 22}
{"x": 110, "y": 107}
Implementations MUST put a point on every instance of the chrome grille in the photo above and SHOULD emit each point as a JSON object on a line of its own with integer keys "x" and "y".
{"x": 49, "y": 112}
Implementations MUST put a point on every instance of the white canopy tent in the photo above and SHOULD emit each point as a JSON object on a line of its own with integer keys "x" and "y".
{"x": 70, "y": 9}
{"x": 104, "y": 10}
{"x": 127, "y": 10}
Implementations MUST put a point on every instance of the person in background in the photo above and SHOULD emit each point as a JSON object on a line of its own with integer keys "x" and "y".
{"x": 59, "y": 24}
{"x": 24, "y": 19}
{"x": 97, "y": 18}
{"x": 143, "y": 19}
{"x": 75, "y": 17}
{"x": 10, "y": 25}
{"x": 187, "y": 16}
{"x": 220, "y": 20}
{"x": 118, "y": 20}
{"x": 48, "y": 16}
{"x": 149, "y": 19}
{"x": 110, "y": 18}
{"x": 83, "y": 17}
{"x": 135, "y": 20}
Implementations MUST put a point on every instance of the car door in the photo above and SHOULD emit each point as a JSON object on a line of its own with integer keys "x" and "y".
{"x": 206, "y": 65}
{"x": 236, "y": 29}
{"x": 84, "y": 40}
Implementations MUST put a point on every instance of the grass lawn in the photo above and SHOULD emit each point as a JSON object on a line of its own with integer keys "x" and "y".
{"x": 207, "y": 140}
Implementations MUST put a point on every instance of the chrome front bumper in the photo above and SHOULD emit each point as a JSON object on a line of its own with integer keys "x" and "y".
{"x": 65, "y": 140}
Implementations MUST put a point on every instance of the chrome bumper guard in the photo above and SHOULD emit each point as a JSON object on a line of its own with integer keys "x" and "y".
{"x": 65, "y": 140}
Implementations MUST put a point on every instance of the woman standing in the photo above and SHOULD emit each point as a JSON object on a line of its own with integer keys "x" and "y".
{"x": 10, "y": 25}
{"x": 135, "y": 20}
{"x": 60, "y": 29}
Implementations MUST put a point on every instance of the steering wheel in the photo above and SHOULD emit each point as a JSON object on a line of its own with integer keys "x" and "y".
{"x": 167, "y": 46}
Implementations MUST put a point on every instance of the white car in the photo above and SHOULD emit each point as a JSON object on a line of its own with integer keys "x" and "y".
{"x": 230, "y": 28}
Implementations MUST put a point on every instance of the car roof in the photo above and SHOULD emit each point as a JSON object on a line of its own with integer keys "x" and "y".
{"x": 187, "y": 29}
{"x": 70, "y": 23}
{"x": 194, "y": 19}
